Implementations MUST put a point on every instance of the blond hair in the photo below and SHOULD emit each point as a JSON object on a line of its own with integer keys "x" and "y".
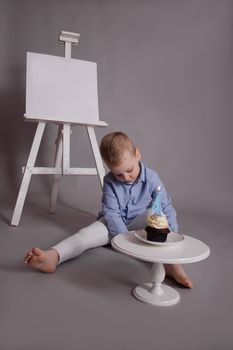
{"x": 113, "y": 146}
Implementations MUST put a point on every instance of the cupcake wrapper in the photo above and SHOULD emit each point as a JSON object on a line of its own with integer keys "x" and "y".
{"x": 157, "y": 235}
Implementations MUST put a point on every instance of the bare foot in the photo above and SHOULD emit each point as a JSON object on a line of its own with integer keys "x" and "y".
{"x": 42, "y": 260}
{"x": 177, "y": 273}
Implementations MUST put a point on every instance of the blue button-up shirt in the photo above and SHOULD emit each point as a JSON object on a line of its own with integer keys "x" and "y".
{"x": 123, "y": 202}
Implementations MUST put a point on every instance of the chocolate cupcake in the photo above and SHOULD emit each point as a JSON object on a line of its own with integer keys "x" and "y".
{"x": 157, "y": 228}
{"x": 157, "y": 234}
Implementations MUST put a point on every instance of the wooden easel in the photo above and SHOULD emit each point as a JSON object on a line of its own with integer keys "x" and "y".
{"x": 62, "y": 156}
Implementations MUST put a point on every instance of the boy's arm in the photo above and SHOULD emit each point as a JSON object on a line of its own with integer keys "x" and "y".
{"x": 169, "y": 211}
{"x": 111, "y": 211}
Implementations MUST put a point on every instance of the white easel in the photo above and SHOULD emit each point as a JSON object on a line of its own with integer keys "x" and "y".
{"x": 62, "y": 157}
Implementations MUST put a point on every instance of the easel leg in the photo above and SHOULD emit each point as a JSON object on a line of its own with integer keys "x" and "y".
{"x": 56, "y": 178}
{"x": 27, "y": 174}
{"x": 96, "y": 152}
{"x": 66, "y": 149}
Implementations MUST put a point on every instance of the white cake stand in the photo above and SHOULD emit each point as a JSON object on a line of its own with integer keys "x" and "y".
{"x": 189, "y": 250}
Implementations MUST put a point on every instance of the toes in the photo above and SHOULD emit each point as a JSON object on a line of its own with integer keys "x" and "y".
{"x": 36, "y": 251}
{"x": 186, "y": 282}
{"x": 28, "y": 257}
{"x": 189, "y": 283}
{"x": 27, "y": 260}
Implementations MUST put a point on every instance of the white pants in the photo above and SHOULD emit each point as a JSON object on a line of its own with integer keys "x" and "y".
{"x": 92, "y": 236}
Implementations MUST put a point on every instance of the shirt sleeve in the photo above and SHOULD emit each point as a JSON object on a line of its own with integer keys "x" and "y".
{"x": 111, "y": 211}
{"x": 166, "y": 204}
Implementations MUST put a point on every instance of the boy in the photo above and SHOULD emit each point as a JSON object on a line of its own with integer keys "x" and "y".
{"x": 128, "y": 190}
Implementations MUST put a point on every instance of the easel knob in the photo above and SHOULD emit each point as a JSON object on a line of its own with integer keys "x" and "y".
{"x": 69, "y": 37}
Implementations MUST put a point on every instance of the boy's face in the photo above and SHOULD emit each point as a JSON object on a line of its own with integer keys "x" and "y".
{"x": 129, "y": 169}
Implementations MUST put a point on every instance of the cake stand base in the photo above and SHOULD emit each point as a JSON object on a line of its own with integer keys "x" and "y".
{"x": 165, "y": 296}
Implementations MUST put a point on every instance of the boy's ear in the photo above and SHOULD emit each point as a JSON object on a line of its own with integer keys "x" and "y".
{"x": 138, "y": 154}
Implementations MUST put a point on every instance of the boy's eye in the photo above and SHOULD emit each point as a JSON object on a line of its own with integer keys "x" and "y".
{"x": 128, "y": 172}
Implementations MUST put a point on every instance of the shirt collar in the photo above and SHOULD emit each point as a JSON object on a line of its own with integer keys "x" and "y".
{"x": 142, "y": 176}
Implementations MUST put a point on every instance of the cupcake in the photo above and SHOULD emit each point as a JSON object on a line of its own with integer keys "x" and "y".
{"x": 157, "y": 228}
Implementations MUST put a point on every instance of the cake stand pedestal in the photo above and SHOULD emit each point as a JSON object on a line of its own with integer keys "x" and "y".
{"x": 156, "y": 292}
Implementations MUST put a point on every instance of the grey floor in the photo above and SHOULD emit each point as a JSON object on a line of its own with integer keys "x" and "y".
{"x": 87, "y": 303}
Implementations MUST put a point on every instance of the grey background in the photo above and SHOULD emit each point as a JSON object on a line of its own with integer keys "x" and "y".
{"x": 165, "y": 78}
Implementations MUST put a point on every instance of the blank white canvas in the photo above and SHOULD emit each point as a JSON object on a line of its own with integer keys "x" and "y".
{"x": 61, "y": 89}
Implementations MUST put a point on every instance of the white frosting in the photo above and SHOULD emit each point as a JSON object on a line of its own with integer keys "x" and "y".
{"x": 157, "y": 221}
